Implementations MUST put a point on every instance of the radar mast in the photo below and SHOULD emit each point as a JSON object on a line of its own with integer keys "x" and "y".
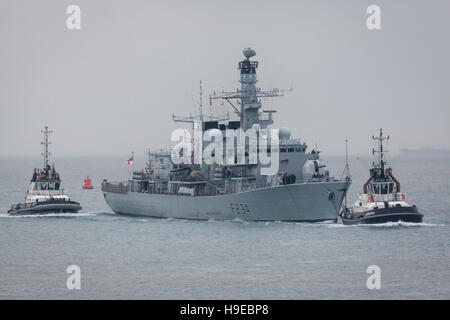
{"x": 249, "y": 93}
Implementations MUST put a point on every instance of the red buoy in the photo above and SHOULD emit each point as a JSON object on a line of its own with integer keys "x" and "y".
{"x": 87, "y": 184}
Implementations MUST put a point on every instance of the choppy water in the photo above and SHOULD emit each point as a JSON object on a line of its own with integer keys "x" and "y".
{"x": 128, "y": 257}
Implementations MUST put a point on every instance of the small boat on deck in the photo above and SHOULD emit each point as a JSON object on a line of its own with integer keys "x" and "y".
{"x": 381, "y": 200}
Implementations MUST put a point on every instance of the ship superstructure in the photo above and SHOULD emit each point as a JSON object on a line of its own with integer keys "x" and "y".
{"x": 235, "y": 188}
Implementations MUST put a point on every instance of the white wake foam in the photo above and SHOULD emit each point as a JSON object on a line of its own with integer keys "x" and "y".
{"x": 48, "y": 215}
{"x": 388, "y": 225}
{"x": 405, "y": 224}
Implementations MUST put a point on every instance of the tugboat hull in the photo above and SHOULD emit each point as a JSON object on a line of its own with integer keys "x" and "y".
{"x": 45, "y": 207}
{"x": 383, "y": 215}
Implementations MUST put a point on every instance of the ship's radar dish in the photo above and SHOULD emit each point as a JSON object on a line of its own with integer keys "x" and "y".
{"x": 249, "y": 52}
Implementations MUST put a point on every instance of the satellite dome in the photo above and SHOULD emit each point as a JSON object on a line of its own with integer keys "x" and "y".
{"x": 284, "y": 133}
{"x": 249, "y": 52}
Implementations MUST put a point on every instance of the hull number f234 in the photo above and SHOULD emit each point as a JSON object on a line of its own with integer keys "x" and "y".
{"x": 239, "y": 208}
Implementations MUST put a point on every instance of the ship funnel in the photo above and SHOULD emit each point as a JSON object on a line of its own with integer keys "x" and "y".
{"x": 249, "y": 52}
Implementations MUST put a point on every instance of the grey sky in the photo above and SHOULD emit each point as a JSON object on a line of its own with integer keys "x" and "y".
{"x": 112, "y": 86}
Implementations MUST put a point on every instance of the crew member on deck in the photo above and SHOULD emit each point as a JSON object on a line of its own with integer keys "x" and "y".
{"x": 33, "y": 178}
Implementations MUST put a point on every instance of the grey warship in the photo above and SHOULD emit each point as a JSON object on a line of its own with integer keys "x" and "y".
{"x": 301, "y": 190}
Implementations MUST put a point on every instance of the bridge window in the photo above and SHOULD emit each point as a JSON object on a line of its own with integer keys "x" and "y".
{"x": 376, "y": 188}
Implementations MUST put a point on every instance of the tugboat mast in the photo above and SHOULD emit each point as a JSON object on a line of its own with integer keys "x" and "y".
{"x": 46, "y": 153}
{"x": 380, "y": 150}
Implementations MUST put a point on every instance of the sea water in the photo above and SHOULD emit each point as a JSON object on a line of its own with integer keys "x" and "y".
{"x": 124, "y": 257}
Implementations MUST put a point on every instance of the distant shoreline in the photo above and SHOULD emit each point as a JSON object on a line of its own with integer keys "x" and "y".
{"x": 425, "y": 152}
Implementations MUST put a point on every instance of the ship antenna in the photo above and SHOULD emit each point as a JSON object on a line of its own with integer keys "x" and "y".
{"x": 149, "y": 159}
{"x": 347, "y": 167}
{"x": 346, "y": 172}
{"x": 346, "y": 158}
{"x": 46, "y": 153}
{"x": 201, "y": 102}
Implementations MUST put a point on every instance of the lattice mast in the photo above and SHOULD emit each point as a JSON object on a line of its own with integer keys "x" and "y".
{"x": 45, "y": 143}
{"x": 380, "y": 150}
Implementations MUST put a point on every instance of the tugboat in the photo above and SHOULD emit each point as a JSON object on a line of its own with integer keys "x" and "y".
{"x": 381, "y": 200}
{"x": 45, "y": 194}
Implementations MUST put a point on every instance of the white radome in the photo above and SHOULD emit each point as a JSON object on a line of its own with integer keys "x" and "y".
{"x": 284, "y": 133}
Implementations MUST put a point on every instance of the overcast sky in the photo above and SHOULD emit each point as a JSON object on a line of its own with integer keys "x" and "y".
{"x": 112, "y": 86}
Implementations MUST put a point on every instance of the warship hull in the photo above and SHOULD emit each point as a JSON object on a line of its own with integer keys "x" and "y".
{"x": 301, "y": 202}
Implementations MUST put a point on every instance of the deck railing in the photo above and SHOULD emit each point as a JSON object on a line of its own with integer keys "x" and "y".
{"x": 119, "y": 187}
{"x": 47, "y": 193}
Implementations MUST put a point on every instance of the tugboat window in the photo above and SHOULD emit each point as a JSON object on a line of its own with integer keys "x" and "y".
{"x": 384, "y": 188}
{"x": 376, "y": 188}
{"x": 391, "y": 187}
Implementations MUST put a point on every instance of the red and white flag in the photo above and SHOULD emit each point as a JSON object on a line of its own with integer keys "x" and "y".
{"x": 130, "y": 161}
